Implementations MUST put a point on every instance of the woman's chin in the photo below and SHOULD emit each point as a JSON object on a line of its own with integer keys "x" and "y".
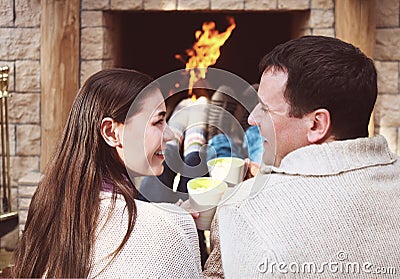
{"x": 149, "y": 171}
{"x": 156, "y": 171}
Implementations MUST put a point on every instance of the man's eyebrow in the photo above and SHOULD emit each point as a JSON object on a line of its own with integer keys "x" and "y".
{"x": 261, "y": 102}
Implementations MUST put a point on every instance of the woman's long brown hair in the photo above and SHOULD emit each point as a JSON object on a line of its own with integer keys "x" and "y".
{"x": 61, "y": 223}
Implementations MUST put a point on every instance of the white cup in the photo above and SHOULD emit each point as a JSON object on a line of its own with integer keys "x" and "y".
{"x": 228, "y": 169}
{"x": 204, "y": 195}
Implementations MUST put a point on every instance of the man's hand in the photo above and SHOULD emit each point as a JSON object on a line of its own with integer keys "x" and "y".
{"x": 252, "y": 168}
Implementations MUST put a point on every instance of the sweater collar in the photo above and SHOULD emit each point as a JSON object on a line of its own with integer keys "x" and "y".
{"x": 335, "y": 157}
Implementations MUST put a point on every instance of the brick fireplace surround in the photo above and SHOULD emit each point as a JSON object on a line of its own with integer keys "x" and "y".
{"x": 24, "y": 50}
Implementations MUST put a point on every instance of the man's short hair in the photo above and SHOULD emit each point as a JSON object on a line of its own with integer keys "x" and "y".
{"x": 328, "y": 73}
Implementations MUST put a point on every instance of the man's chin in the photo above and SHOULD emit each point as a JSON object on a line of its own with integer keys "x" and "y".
{"x": 271, "y": 160}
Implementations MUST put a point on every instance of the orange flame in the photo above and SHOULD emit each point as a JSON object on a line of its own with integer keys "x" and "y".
{"x": 205, "y": 50}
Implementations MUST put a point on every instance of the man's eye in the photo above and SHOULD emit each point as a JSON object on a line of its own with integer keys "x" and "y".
{"x": 265, "y": 109}
{"x": 161, "y": 121}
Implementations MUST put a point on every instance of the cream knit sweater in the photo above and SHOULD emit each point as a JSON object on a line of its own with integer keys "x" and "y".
{"x": 330, "y": 210}
{"x": 163, "y": 244}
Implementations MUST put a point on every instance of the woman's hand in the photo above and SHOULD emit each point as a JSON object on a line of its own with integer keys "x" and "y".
{"x": 186, "y": 205}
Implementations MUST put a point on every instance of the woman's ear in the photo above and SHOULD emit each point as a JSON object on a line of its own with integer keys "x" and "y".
{"x": 320, "y": 126}
{"x": 109, "y": 130}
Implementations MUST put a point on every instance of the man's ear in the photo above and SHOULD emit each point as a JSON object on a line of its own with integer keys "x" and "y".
{"x": 320, "y": 126}
{"x": 109, "y": 130}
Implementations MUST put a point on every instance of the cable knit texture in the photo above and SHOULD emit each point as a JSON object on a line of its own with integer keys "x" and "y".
{"x": 163, "y": 244}
{"x": 213, "y": 265}
{"x": 337, "y": 203}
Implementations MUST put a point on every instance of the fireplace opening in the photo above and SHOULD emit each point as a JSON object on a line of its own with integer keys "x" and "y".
{"x": 148, "y": 41}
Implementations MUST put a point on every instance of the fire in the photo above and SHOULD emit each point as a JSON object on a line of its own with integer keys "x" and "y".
{"x": 205, "y": 50}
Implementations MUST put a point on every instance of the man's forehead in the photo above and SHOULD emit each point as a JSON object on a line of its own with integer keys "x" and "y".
{"x": 275, "y": 72}
{"x": 262, "y": 102}
{"x": 272, "y": 86}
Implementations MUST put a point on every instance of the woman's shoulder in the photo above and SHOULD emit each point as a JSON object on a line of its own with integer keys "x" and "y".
{"x": 164, "y": 213}
{"x": 159, "y": 215}
{"x": 161, "y": 208}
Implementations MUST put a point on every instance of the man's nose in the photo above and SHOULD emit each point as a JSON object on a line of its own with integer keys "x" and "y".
{"x": 253, "y": 117}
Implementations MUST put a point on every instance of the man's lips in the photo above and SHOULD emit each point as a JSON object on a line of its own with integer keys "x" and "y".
{"x": 264, "y": 139}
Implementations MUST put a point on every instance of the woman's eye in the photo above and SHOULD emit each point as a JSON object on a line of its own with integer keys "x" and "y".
{"x": 161, "y": 121}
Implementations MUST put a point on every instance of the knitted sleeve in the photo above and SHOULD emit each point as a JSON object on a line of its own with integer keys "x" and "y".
{"x": 181, "y": 246}
{"x": 213, "y": 266}
{"x": 242, "y": 250}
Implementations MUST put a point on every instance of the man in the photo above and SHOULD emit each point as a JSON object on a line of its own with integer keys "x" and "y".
{"x": 328, "y": 200}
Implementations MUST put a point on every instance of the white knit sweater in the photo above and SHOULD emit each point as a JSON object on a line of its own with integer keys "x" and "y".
{"x": 330, "y": 210}
{"x": 163, "y": 244}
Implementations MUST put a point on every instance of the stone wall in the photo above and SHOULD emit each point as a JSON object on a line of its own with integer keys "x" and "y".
{"x": 387, "y": 57}
{"x": 20, "y": 50}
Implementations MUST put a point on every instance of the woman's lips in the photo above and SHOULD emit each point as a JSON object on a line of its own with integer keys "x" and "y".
{"x": 160, "y": 154}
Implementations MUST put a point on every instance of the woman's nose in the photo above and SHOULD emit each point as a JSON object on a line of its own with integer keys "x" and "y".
{"x": 168, "y": 134}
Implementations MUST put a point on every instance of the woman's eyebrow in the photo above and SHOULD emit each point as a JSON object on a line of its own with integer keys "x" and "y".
{"x": 161, "y": 113}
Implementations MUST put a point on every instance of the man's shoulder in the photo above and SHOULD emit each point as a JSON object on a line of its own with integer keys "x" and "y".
{"x": 251, "y": 188}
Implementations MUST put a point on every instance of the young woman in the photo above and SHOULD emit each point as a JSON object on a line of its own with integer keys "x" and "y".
{"x": 83, "y": 220}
